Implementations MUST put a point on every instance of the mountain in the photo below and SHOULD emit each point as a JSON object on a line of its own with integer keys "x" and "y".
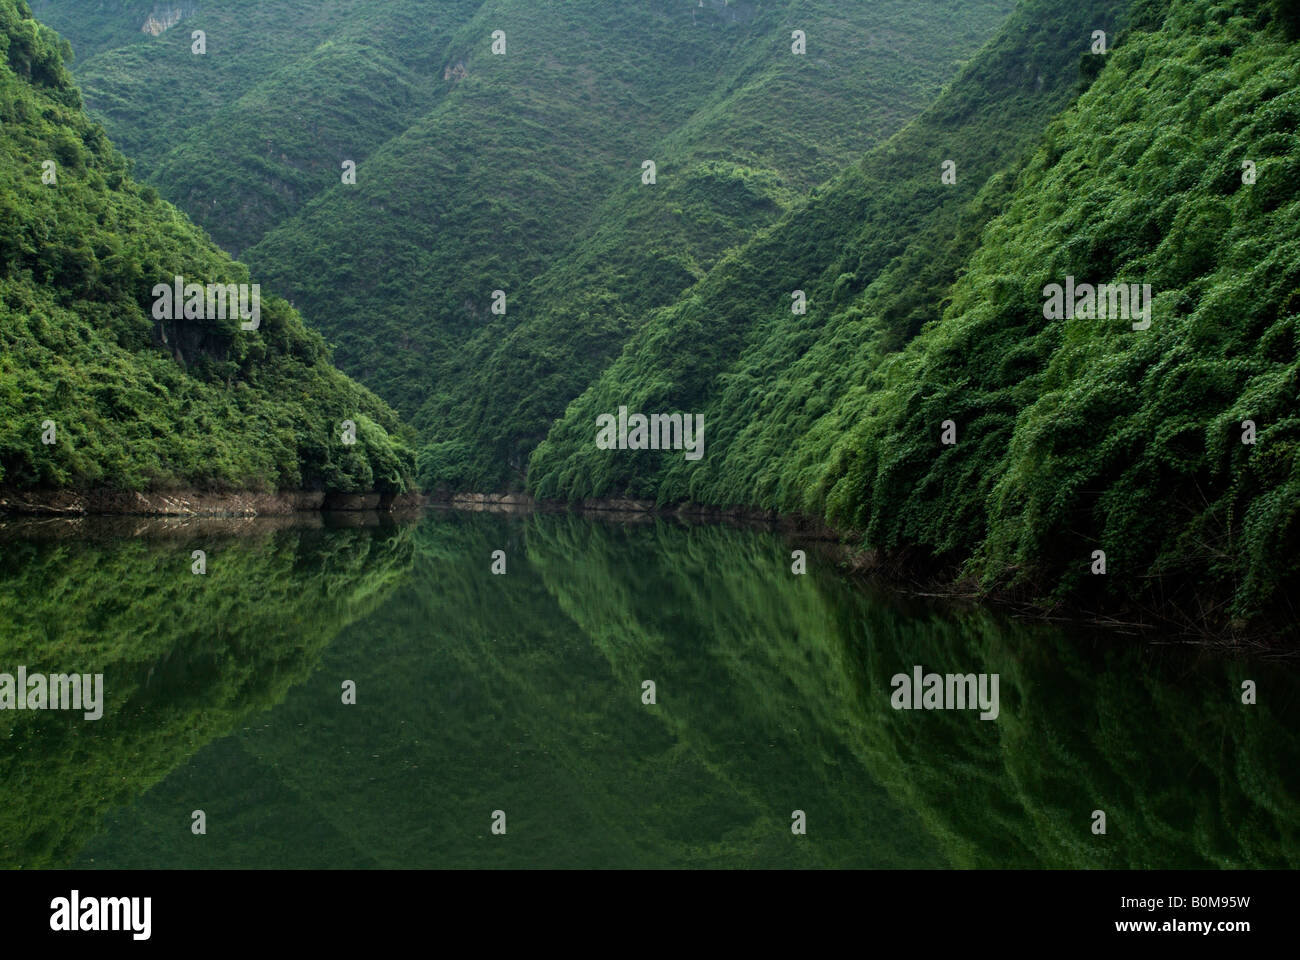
{"x": 1171, "y": 450}
{"x": 518, "y": 171}
{"x": 242, "y": 136}
{"x": 101, "y": 388}
{"x": 843, "y": 264}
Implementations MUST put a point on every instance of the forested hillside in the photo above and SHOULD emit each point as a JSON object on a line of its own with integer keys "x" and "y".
{"x": 243, "y": 135}
{"x": 519, "y": 171}
{"x": 1176, "y": 168}
{"x": 96, "y": 392}
{"x": 507, "y": 268}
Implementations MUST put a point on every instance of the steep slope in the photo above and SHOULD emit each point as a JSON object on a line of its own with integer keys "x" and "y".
{"x": 784, "y": 124}
{"x": 243, "y": 135}
{"x": 1072, "y": 435}
{"x": 530, "y": 181}
{"x": 94, "y": 391}
{"x": 519, "y": 172}
{"x": 874, "y": 252}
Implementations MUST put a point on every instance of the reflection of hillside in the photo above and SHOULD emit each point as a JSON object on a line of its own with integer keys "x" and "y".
{"x": 1187, "y": 775}
{"x": 184, "y": 657}
{"x": 522, "y": 693}
{"x": 752, "y": 678}
{"x": 478, "y": 693}
{"x": 472, "y": 695}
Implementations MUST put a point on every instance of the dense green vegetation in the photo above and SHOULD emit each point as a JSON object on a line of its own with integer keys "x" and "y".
{"x": 520, "y": 172}
{"x": 765, "y": 127}
{"x": 775, "y": 173}
{"x": 1073, "y": 435}
{"x": 1173, "y": 159}
{"x": 139, "y": 403}
{"x": 244, "y": 135}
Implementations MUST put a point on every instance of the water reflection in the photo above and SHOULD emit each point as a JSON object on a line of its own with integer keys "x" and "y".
{"x": 523, "y": 693}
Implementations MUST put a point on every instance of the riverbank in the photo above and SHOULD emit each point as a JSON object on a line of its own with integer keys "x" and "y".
{"x": 917, "y": 575}
{"x": 625, "y": 509}
{"x": 196, "y": 503}
{"x": 911, "y": 575}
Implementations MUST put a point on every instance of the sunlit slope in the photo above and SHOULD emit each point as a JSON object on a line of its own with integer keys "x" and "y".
{"x": 873, "y": 254}
{"x": 1083, "y": 435}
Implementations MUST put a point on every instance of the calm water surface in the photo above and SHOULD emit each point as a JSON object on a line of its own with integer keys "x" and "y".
{"x": 522, "y": 693}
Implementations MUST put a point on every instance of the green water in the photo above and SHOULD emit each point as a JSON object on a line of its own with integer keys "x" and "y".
{"x": 523, "y": 693}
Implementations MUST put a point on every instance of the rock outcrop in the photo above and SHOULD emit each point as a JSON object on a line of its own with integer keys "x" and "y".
{"x": 164, "y": 16}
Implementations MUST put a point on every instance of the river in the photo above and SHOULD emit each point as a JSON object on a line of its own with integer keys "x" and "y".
{"x": 505, "y": 719}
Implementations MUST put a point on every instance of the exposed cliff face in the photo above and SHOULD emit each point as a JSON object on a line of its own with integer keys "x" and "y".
{"x": 164, "y": 16}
